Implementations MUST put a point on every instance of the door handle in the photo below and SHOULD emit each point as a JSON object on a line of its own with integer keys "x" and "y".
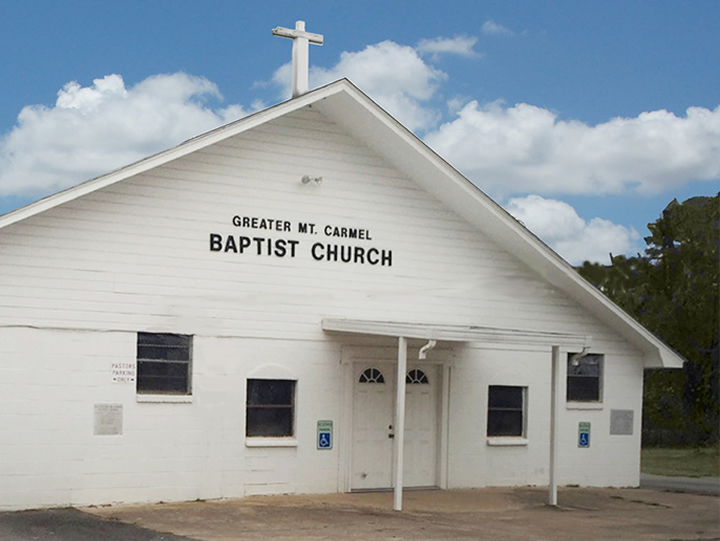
{"x": 391, "y": 436}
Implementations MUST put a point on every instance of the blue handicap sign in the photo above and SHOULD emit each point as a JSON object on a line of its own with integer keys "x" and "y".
{"x": 324, "y": 440}
{"x": 584, "y": 435}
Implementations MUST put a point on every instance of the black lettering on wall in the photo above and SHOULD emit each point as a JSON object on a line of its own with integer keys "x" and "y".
{"x": 230, "y": 244}
{"x": 270, "y": 247}
{"x": 306, "y": 228}
{"x": 293, "y": 244}
{"x": 258, "y": 243}
{"x": 244, "y": 243}
{"x": 215, "y": 242}
{"x": 372, "y": 256}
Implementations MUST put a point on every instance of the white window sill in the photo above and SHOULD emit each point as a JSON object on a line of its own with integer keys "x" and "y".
{"x": 164, "y": 398}
{"x": 506, "y": 441}
{"x": 585, "y": 405}
{"x": 271, "y": 442}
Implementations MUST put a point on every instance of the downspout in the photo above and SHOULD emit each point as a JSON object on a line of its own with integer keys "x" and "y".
{"x": 422, "y": 354}
{"x": 575, "y": 359}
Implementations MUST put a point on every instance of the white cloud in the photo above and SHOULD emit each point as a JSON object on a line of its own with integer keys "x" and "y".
{"x": 393, "y": 75}
{"x": 461, "y": 45}
{"x": 577, "y": 240}
{"x": 95, "y": 129}
{"x": 491, "y": 27}
{"x": 524, "y": 148}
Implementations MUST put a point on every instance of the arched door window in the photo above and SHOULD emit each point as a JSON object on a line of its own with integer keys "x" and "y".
{"x": 416, "y": 377}
{"x": 372, "y": 375}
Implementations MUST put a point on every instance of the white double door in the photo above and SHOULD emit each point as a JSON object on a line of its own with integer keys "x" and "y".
{"x": 374, "y": 402}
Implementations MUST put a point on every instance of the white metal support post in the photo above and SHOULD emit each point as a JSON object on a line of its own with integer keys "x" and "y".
{"x": 399, "y": 428}
{"x": 300, "y": 54}
{"x": 552, "y": 496}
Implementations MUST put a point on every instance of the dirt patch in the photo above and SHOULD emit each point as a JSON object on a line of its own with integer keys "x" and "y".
{"x": 497, "y": 514}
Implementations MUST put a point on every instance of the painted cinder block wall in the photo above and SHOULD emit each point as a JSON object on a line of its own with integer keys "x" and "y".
{"x": 609, "y": 461}
{"x": 80, "y": 280}
{"x": 185, "y": 451}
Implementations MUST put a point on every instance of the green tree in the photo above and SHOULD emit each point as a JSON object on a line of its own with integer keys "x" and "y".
{"x": 672, "y": 289}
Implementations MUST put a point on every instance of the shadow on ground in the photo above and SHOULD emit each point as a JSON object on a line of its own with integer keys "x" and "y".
{"x": 72, "y": 525}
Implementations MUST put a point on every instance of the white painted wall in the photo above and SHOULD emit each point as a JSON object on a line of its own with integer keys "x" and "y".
{"x": 167, "y": 451}
{"x": 136, "y": 254}
{"x": 609, "y": 461}
{"x": 80, "y": 280}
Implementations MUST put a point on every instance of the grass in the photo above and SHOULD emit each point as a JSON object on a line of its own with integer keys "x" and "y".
{"x": 685, "y": 462}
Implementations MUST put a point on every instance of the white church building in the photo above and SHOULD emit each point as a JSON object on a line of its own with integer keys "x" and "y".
{"x": 307, "y": 300}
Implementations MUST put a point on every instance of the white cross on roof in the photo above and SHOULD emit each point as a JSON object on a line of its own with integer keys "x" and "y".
{"x": 300, "y": 54}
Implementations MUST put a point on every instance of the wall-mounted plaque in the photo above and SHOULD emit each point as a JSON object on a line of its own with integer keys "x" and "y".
{"x": 108, "y": 420}
{"x": 621, "y": 422}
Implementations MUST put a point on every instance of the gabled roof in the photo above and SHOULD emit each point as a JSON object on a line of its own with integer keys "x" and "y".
{"x": 361, "y": 117}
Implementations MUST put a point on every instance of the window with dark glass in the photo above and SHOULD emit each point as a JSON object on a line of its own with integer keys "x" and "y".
{"x": 163, "y": 363}
{"x": 506, "y": 411}
{"x": 416, "y": 377}
{"x": 584, "y": 378}
{"x": 372, "y": 375}
{"x": 270, "y": 408}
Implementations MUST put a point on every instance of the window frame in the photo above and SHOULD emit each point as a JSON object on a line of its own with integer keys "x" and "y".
{"x": 268, "y": 439}
{"x": 144, "y": 359}
{"x": 520, "y": 437}
{"x": 589, "y": 359}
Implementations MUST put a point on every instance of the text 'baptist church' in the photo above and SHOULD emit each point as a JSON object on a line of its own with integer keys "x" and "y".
{"x": 285, "y": 247}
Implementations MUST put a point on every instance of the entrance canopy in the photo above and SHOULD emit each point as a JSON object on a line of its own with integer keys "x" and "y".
{"x": 454, "y": 333}
{"x": 459, "y": 333}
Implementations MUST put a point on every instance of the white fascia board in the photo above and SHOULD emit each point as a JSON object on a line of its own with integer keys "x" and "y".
{"x": 455, "y": 333}
{"x": 166, "y": 156}
{"x": 400, "y": 147}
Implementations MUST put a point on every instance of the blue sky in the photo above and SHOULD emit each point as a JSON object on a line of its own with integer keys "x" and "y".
{"x": 583, "y": 119}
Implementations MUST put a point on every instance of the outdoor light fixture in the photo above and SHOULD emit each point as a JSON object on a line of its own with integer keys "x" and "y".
{"x": 306, "y": 179}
